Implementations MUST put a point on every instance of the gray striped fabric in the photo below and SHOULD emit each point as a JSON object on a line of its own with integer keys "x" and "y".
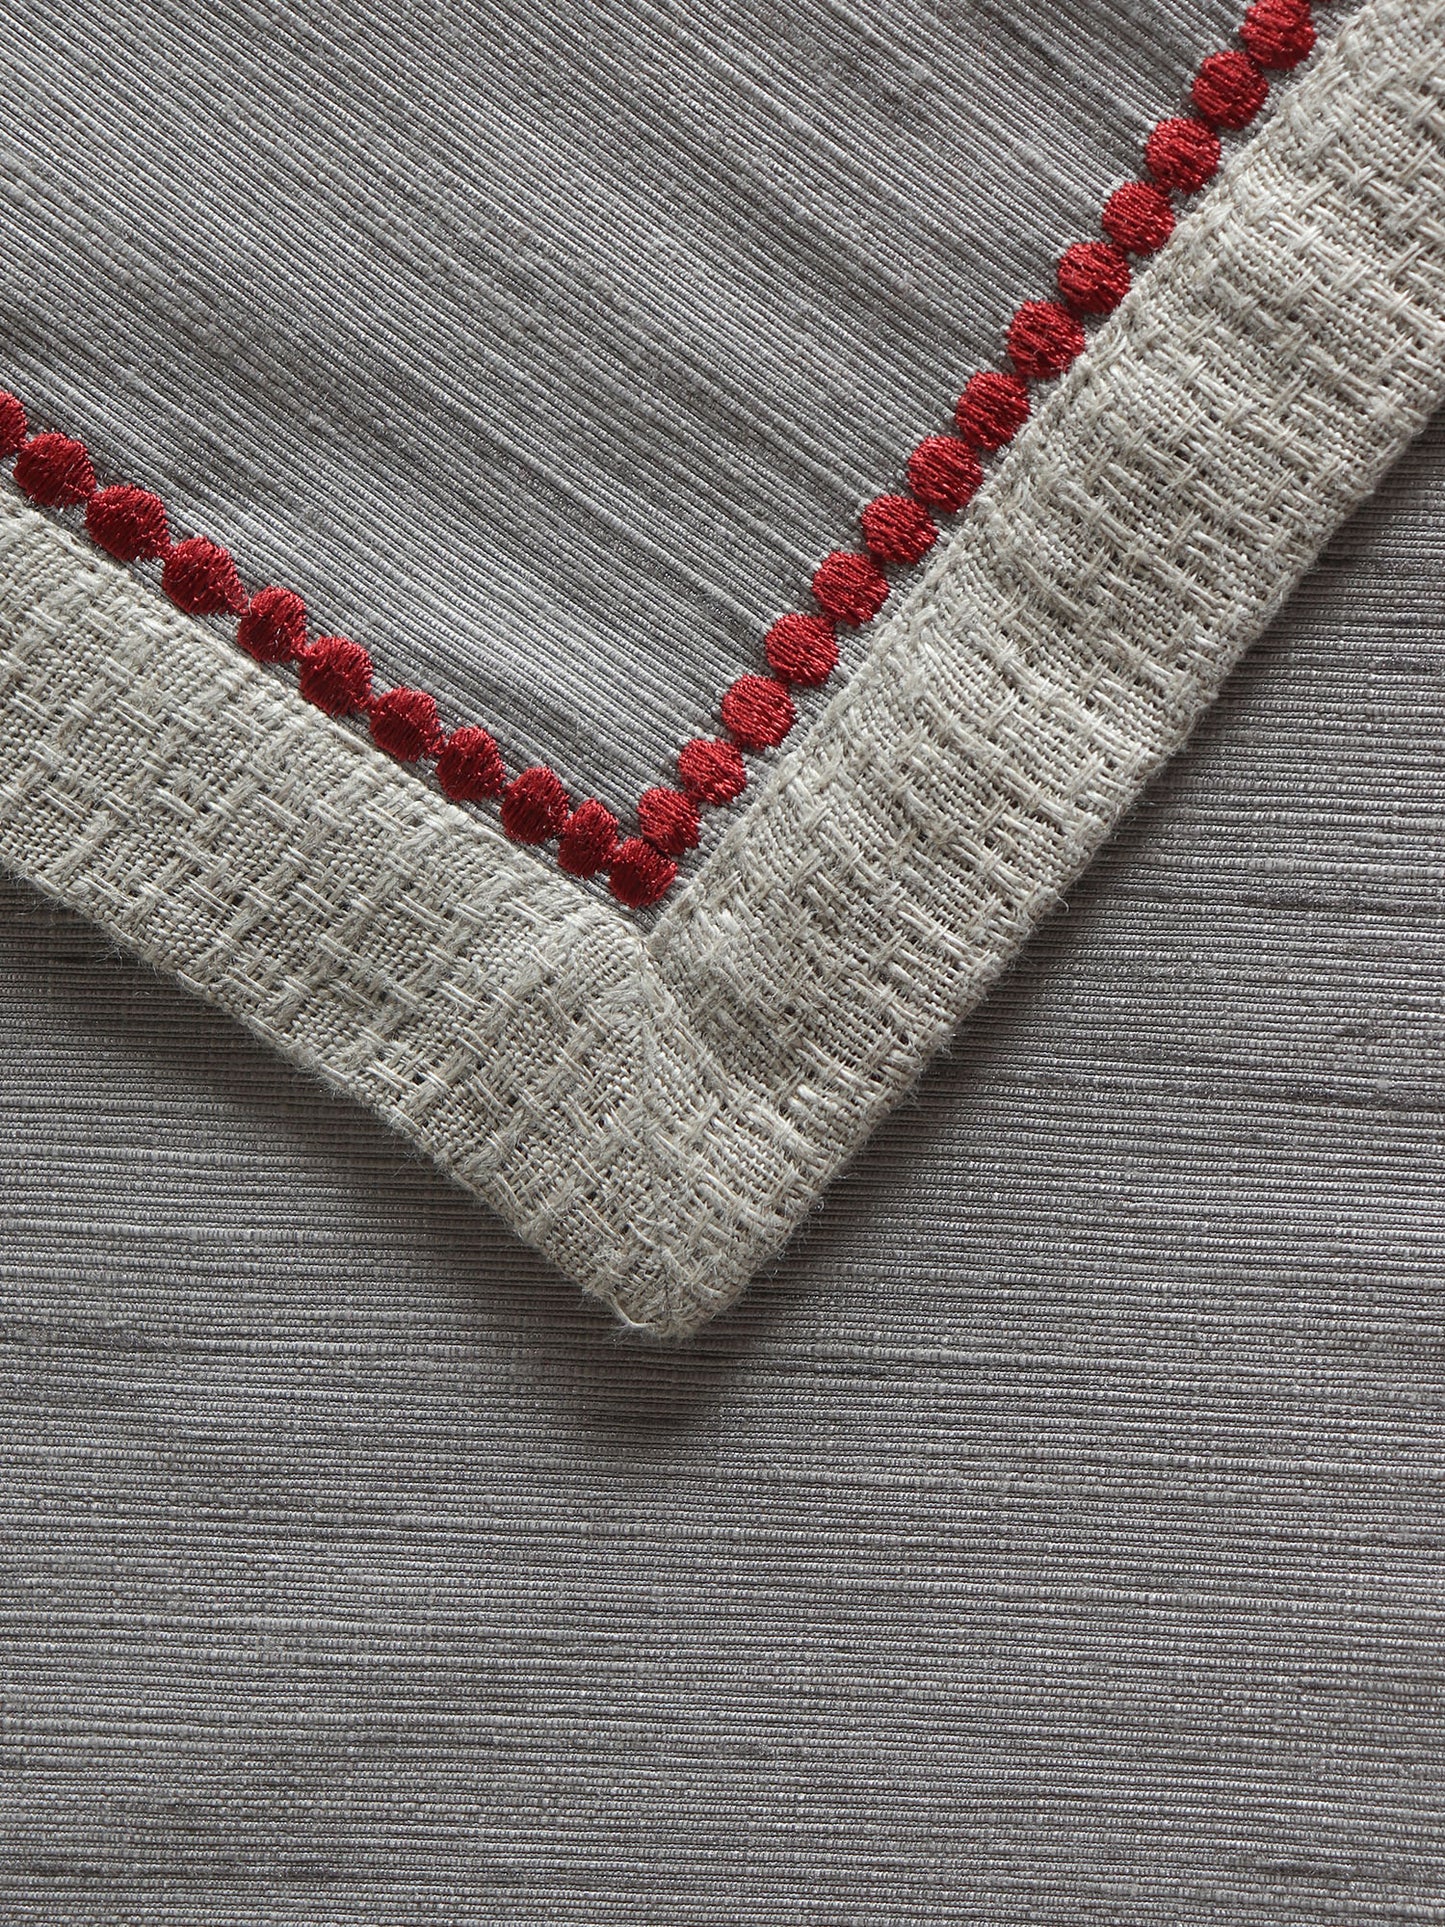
{"x": 548, "y": 348}
{"x": 1055, "y": 1537}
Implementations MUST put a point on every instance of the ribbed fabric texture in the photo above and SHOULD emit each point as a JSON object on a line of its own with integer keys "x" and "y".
{"x": 548, "y": 348}
{"x": 1054, "y": 1538}
{"x": 658, "y": 1116}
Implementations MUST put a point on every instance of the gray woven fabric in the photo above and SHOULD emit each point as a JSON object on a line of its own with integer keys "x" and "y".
{"x": 1055, "y": 1538}
{"x": 546, "y": 347}
{"x": 658, "y": 1116}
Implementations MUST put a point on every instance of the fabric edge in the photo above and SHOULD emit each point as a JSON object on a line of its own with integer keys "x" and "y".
{"x": 656, "y": 1117}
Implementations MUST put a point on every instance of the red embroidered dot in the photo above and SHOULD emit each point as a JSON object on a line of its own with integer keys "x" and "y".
{"x": 669, "y": 819}
{"x": 335, "y": 674}
{"x": 470, "y": 766}
{"x": 128, "y": 523}
{"x": 534, "y": 805}
{"x": 850, "y": 588}
{"x": 1279, "y": 33}
{"x": 273, "y": 629}
{"x": 758, "y": 712}
{"x": 1093, "y": 277}
{"x": 1182, "y": 154}
{"x": 802, "y": 648}
{"x": 1229, "y": 89}
{"x": 944, "y": 472}
{"x": 640, "y": 875}
{"x": 589, "y": 841}
{"x": 404, "y": 722}
{"x": 200, "y": 577}
{"x": 712, "y": 771}
{"x": 13, "y": 425}
{"x": 1043, "y": 338}
{"x": 1138, "y": 217}
{"x": 991, "y": 410}
{"x": 55, "y": 471}
{"x": 897, "y": 529}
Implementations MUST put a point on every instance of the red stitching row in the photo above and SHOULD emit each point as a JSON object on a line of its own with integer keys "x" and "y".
{"x": 850, "y": 587}
{"x": 1043, "y": 339}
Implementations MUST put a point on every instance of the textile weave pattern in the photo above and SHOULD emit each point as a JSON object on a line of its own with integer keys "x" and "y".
{"x": 657, "y": 1115}
{"x": 1053, "y": 1538}
{"x": 596, "y": 333}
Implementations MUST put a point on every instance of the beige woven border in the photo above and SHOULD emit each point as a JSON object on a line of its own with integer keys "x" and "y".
{"x": 657, "y": 1113}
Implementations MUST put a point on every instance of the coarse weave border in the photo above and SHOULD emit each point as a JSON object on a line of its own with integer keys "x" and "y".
{"x": 656, "y": 1112}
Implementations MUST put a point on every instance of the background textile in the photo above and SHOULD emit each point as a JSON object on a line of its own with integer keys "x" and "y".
{"x": 1055, "y": 1537}
{"x": 549, "y": 348}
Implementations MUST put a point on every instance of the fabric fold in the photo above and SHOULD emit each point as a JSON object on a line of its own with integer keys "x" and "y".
{"x": 656, "y": 1111}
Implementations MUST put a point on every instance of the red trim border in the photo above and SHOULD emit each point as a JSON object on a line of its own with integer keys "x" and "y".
{"x": 849, "y": 586}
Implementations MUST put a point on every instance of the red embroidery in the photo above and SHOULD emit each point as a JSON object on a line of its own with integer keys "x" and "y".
{"x": 470, "y": 766}
{"x": 405, "y": 723}
{"x": 55, "y": 471}
{"x": 1279, "y": 33}
{"x": 850, "y": 588}
{"x": 200, "y": 577}
{"x": 1094, "y": 277}
{"x": 1182, "y": 154}
{"x": 1229, "y": 89}
{"x": 802, "y": 648}
{"x": 534, "y": 805}
{"x": 991, "y": 410}
{"x": 712, "y": 770}
{"x": 1138, "y": 217}
{"x": 943, "y": 474}
{"x": 669, "y": 819}
{"x": 335, "y": 675}
{"x": 589, "y": 840}
{"x": 1043, "y": 339}
{"x": 273, "y": 629}
{"x": 13, "y": 425}
{"x": 896, "y": 529}
{"x": 128, "y": 523}
{"x": 758, "y": 712}
{"x": 640, "y": 875}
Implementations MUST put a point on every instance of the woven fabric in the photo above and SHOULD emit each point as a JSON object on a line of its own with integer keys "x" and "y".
{"x": 548, "y": 347}
{"x": 657, "y": 1115}
{"x": 1053, "y": 1538}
